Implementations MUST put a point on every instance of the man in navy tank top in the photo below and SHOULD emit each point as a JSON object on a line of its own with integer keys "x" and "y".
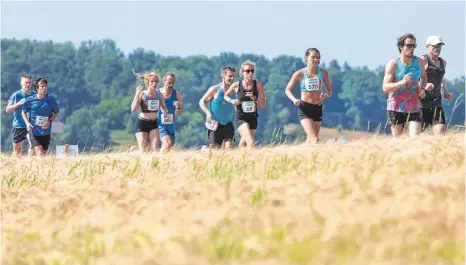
{"x": 431, "y": 112}
{"x": 220, "y": 114}
{"x": 174, "y": 103}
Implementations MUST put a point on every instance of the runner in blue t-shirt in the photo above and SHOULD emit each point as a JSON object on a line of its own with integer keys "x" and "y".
{"x": 15, "y": 102}
{"x": 38, "y": 113}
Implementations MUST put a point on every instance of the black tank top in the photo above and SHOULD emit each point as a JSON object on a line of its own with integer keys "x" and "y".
{"x": 434, "y": 75}
{"x": 247, "y": 108}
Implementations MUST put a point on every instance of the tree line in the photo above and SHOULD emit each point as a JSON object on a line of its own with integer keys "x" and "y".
{"x": 94, "y": 86}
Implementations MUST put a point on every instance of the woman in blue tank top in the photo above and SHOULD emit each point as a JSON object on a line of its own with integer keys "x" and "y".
{"x": 311, "y": 81}
{"x": 147, "y": 132}
{"x": 173, "y": 101}
{"x": 249, "y": 94}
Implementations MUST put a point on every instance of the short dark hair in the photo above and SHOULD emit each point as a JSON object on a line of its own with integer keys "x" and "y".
{"x": 167, "y": 75}
{"x": 401, "y": 40}
{"x": 227, "y": 68}
{"x": 308, "y": 51}
{"x": 38, "y": 81}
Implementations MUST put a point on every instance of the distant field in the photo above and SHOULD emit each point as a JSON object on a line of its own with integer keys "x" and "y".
{"x": 371, "y": 201}
{"x": 326, "y": 133}
{"x": 123, "y": 138}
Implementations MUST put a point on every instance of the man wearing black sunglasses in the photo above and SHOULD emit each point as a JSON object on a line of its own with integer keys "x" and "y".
{"x": 405, "y": 81}
{"x": 431, "y": 113}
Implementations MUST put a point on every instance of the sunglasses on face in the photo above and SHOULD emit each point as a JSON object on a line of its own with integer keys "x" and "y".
{"x": 411, "y": 46}
{"x": 249, "y": 71}
{"x": 436, "y": 46}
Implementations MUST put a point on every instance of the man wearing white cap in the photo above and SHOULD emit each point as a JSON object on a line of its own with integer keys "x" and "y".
{"x": 431, "y": 112}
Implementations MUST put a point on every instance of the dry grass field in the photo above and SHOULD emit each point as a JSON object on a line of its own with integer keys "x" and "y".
{"x": 370, "y": 201}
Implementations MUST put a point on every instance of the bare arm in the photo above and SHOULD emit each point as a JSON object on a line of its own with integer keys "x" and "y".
{"x": 424, "y": 60}
{"x": 179, "y": 98}
{"x": 162, "y": 104}
{"x": 262, "y": 100}
{"x": 137, "y": 99}
{"x": 442, "y": 85}
{"x": 135, "y": 103}
{"x": 295, "y": 78}
{"x": 388, "y": 84}
{"x": 207, "y": 97}
{"x": 233, "y": 88}
{"x": 54, "y": 117}
{"x": 328, "y": 85}
{"x": 422, "y": 66}
{"x": 26, "y": 120}
{"x": 49, "y": 121}
{"x": 11, "y": 107}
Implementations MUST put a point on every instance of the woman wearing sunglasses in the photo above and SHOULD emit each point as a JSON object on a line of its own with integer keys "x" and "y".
{"x": 249, "y": 94}
{"x": 311, "y": 80}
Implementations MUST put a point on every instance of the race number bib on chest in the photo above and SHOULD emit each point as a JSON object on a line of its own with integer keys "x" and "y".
{"x": 248, "y": 106}
{"x": 153, "y": 104}
{"x": 312, "y": 84}
{"x": 167, "y": 118}
{"x": 41, "y": 120}
{"x": 213, "y": 125}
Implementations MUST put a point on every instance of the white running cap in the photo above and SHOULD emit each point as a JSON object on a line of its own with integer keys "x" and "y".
{"x": 434, "y": 40}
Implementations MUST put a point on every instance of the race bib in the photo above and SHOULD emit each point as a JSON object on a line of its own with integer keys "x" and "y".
{"x": 312, "y": 84}
{"x": 167, "y": 118}
{"x": 248, "y": 106}
{"x": 213, "y": 125}
{"x": 41, "y": 120}
{"x": 153, "y": 104}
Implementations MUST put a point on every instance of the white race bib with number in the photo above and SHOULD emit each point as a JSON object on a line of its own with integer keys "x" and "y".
{"x": 41, "y": 120}
{"x": 153, "y": 104}
{"x": 213, "y": 125}
{"x": 167, "y": 118}
{"x": 248, "y": 106}
{"x": 312, "y": 84}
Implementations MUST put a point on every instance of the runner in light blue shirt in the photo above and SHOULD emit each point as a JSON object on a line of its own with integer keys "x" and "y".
{"x": 14, "y": 106}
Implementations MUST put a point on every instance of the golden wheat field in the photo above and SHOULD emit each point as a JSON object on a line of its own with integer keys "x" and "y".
{"x": 372, "y": 201}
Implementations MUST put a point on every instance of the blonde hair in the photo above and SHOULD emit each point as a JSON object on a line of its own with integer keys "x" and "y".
{"x": 248, "y": 62}
{"x": 145, "y": 77}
